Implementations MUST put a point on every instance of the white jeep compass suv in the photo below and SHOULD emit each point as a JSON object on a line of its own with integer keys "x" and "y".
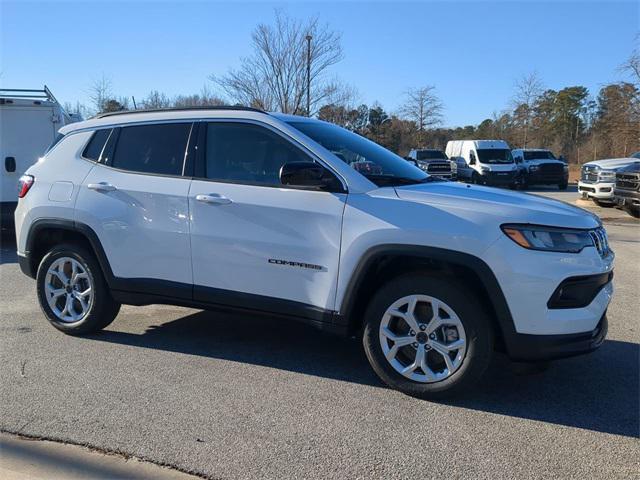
{"x": 235, "y": 208}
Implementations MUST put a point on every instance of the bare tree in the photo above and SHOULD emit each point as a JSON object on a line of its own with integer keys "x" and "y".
{"x": 156, "y": 99}
{"x": 528, "y": 89}
{"x": 632, "y": 65}
{"x": 275, "y": 76}
{"x": 423, "y": 107}
{"x": 100, "y": 92}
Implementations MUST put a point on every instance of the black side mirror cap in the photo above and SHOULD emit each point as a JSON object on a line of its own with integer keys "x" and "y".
{"x": 308, "y": 174}
{"x": 10, "y": 164}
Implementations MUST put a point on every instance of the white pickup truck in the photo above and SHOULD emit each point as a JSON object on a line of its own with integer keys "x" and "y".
{"x": 598, "y": 179}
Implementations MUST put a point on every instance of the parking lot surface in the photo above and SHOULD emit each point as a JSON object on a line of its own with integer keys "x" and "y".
{"x": 231, "y": 396}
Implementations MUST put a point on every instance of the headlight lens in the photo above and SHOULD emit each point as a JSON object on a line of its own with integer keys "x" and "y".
{"x": 607, "y": 175}
{"x": 551, "y": 239}
{"x": 454, "y": 166}
{"x": 565, "y": 168}
{"x": 533, "y": 168}
{"x": 485, "y": 169}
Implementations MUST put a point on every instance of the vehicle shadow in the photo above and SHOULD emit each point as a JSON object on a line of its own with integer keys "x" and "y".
{"x": 595, "y": 392}
{"x": 572, "y": 188}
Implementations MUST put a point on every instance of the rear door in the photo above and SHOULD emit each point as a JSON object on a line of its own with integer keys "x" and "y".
{"x": 257, "y": 243}
{"x": 135, "y": 200}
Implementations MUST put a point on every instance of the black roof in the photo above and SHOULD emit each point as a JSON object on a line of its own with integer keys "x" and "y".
{"x": 180, "y": 109}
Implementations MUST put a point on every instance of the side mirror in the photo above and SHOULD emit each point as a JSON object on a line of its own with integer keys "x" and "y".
{"x": 305, "y": 174}
{"x": 472, "y": 160}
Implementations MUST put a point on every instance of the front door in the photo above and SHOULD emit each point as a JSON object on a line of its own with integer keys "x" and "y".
{"x": 255, "y": 242}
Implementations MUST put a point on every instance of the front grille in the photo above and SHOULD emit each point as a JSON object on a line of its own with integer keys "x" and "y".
{"x": 628, "y": 181}
{"x": 589, "y": 174}
{"x": 600, "y": 241}
{"x": 551, "y": 169}
{"x": 439, "y": 167}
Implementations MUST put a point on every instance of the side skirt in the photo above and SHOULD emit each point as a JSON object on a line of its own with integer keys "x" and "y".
{"x": 138, "y": 291}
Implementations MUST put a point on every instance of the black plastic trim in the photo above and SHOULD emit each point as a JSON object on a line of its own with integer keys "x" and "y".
{"x": 579, "y": 291}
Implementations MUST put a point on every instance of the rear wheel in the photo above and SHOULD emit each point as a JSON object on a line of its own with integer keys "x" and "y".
{"x": 72, "y": 291}
{"x": 424, "y": 339}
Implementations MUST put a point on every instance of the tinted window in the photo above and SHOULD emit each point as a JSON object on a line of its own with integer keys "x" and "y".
{"x": 430, "y": 155}
{"x": 247, "y": 153}
{"x": 95, "y": 145}
{"x": 495, "y": 155}
{"x": 539, "y": 155}
{"x": 376, "y": 163}
{"x": 152, "y": 148}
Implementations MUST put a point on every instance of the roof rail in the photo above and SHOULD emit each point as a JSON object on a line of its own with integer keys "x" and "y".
{"x": 180, "y": 109}
{"x": 36, "y": 94}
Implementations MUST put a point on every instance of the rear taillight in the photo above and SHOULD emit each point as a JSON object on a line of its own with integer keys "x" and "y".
{"x": 24, "y": 185}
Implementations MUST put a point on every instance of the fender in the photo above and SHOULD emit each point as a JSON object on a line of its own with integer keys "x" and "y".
{"x": 495, "y": 295}
{"x": 70, "y": 225}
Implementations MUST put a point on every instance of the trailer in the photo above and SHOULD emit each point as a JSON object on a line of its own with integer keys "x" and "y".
{"x": 29, "y": 124}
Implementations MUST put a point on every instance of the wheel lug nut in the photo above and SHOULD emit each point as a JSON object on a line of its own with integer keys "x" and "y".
{"x": 423, "y": 327}
{"x": 432, "y": 336}
{"x": 412, "y": 332}
{"x": 415, "y": 345}
{"x": 428, "y": 347}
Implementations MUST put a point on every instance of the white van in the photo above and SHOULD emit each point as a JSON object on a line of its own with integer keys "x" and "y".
{"x": 29, "y": 122}
{"x": 490, "y": 161}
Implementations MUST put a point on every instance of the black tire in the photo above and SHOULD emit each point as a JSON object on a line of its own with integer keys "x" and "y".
{"x": 478, "y": 328}
{"x": 475, "y": 178}
{"x": 563, "y": 186}
{"x": 633, "y": 211}
{"x": 103, "y": 309}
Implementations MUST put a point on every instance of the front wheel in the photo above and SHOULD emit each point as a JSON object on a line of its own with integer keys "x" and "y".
{"x": 72, "y": 291}
{"x": 634, "y": 211}
{"x": 563, "y": 186}
{"x": 423, "y": 338}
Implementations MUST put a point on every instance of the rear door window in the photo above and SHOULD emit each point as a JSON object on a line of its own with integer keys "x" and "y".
{"x": 156, "y": 149}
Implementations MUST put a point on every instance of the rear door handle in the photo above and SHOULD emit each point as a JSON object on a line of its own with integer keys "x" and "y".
{"x": 213, "y": 199}
{"x": 101, "y": 187}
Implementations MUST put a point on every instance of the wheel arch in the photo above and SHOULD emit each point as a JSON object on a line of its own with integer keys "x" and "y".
{"x": 381, "y": 263}
{"x": 45, "y": 233}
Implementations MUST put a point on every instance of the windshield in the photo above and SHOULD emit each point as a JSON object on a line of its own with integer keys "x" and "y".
{"x": 378, "y": 164}
{"x": 430, "y": 155}
{"x": 539, "y": 155}
{"x": 494, "y": 155}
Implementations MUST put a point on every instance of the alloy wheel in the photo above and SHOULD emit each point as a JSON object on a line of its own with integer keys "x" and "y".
{"x": 68, "y": 289}
{"x": 422, "y": 338}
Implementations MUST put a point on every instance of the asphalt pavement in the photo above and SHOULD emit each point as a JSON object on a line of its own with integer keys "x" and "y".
{"x": 229, "y": 396}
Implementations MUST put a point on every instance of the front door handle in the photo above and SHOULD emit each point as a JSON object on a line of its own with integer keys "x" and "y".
{"x": 101, "y": 187}
{"x": 213, "y": 199}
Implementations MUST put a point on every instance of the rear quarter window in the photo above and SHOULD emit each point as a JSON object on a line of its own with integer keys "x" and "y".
{"x": 95, "y": 146}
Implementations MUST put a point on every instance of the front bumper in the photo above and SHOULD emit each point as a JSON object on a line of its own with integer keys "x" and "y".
{"x": 626, "y": 197}
{"x": 601, "y": 191}
{"x": 528, "y": 348}
{"x": 536, "y": 178}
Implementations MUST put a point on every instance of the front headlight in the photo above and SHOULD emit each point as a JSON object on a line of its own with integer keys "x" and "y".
{"x": 607, "y": 175}
{"x": 485, "y": 169}
{"x": 551, "y": 239}
{"x": 565, "y": 168}
{"x": 454, "y": 167}
{"x": 533, "y": 168}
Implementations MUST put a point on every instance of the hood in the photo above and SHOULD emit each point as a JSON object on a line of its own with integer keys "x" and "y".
{"x": 542, "y": 161}
{"x": 611, "y": 163}
{"x": 485, "y": 204}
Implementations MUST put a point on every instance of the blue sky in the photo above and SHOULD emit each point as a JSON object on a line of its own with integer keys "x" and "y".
{"x": 471, "y": 51}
